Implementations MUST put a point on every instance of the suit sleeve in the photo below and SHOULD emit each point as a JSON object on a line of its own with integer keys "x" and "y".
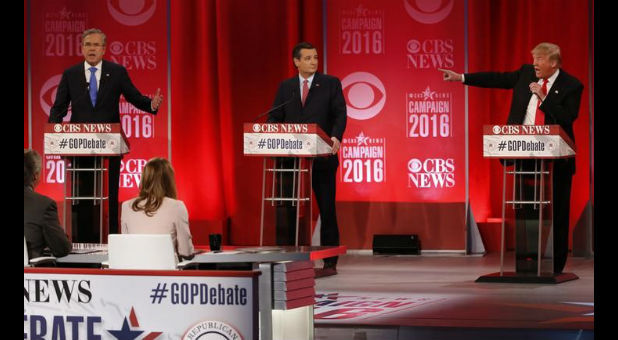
{"x": 339, "y": 111}
{"x": 183, "y": 233}
{"x": 564, "y": 111}
{"x": 54, "y": 235}
{"x": 500, "y": 80}
{"x": 61, "y": 103}
{"x": 278, "y": 115}
{"x": 132, "y": 94}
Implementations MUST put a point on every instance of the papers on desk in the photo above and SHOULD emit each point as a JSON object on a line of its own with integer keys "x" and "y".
{"x": 261, "y": 250}
{"x": 221, "y": 252}
{"x": 88, "y": 248}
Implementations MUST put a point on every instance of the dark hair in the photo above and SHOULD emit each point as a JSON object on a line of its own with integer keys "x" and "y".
{"x": 300, "y": 46}
{"x": 32, "y": 166}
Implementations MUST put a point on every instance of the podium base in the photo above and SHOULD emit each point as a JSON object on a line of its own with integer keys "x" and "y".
{"x": 513, "y": 277}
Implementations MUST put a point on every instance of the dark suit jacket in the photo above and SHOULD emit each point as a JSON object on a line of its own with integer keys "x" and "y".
{"x": 41, "y": 226}
{"x": 325, "y": 106}
{"x": 73, "y": 89}
{"x": 561, "y": 105}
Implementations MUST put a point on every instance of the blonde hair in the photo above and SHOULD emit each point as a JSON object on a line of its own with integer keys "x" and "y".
{"x": 156, "y": 184}
{"x": 550, "y": 50}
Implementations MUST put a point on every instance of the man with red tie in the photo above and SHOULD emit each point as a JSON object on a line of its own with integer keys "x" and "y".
{"x": 543, "y": 94}
{"x": 312, "y": 97}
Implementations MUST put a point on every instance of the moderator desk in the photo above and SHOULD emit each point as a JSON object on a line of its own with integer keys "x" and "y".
{"x": 268, "y": 260}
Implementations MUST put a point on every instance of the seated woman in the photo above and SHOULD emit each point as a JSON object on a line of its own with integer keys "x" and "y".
{"x": 156, "y": 210}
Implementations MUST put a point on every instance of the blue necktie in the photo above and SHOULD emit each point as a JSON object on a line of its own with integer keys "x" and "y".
{"x": 93, "y": 86}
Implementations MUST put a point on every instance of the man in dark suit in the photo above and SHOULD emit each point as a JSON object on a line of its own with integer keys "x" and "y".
{"x": 312, "y": 97}
{"x": 93, "y": 90}
{"x": 42, "y": 230}
{"x": 543, "y": 94}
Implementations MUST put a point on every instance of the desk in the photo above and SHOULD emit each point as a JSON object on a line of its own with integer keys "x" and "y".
{"x": 75, "y": 303}
{"x": 262, "y": 258}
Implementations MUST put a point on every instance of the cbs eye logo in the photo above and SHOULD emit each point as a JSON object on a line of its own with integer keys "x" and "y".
{"x": 131, "y": 12}
{"x": 365, "y": 95}
{"x": 428, "y": 11}
{"x": 47, "y": 96}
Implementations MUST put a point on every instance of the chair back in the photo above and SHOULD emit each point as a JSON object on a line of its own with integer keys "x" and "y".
{"x": 26, "y": 260}
{"x": 141, "y": 251}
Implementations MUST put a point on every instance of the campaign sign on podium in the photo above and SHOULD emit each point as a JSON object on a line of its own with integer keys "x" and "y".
{"x": 288, "y": 150}
{"x": 282, "y": 139}
{"x": 526, "y": 141}
{"x": 75, "y": 140}
{"x": 527, "y": 150}
{"x": 85, "y": 139}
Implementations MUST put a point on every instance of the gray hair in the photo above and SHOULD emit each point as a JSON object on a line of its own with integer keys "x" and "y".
{"x": 94, "y": 31}
{"x": 32, "y": 166}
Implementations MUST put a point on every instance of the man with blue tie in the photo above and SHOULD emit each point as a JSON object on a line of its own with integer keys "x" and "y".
{"x": 93, "y": 90}
{"x": 543, "y": 93}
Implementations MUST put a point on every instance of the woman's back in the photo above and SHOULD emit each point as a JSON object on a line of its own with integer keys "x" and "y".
{"x": 171, "y": 218}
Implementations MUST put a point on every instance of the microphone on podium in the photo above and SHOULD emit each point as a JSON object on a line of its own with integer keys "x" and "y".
{"x": 276, "y": 107}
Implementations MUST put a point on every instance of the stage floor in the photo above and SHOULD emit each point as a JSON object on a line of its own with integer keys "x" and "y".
{"x": 435, "y": 297}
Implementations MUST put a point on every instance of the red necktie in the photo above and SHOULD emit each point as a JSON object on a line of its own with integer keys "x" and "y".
{"x": 305, "y": 91}
{"x": 539, "y": 118}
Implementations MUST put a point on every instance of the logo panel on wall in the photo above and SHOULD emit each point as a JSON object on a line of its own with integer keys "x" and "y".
{"x": 365, "y": 95}
{"x": 131, "y": 12}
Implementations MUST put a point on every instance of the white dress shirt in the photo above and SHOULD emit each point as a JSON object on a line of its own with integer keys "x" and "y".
{"x": 97, "y": 74}
{"x": 302, "y": 80}
{"x": 531, "y": 111}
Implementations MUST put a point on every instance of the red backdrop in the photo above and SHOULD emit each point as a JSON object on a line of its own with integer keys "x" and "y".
{"x": 228, "y": 57}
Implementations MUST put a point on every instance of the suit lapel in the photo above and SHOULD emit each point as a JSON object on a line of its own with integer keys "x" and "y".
{"x": 558, "y": 85}
{"x": 315, "y": 87}
{"x": 102, "y": 82}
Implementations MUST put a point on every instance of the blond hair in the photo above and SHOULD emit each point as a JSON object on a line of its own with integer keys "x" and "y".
{"x": 156, "y": 184}
{"x": 550, "y": 50}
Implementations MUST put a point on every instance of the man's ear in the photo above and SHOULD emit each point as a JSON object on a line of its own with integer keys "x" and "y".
{"x": 296, "y": 62}
{"x": 36, "y": 179}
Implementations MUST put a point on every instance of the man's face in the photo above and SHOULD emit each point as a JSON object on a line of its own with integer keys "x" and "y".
{"x": 543, "y": 67}
{"x": 308, "y": 62}
{"x": 93, "y": 48}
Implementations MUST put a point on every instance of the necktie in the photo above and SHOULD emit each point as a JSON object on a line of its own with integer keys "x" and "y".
{"x": 93, "y": 86}
{"x": 539, "y": 117}
{"x": 305, "y": 91}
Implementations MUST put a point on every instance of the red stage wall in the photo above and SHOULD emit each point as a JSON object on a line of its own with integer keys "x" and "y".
{"x": 228, "y": 57}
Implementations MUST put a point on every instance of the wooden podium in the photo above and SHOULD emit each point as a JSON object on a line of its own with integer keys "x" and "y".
{"x": 72, "y": 141}
{"x": 297, "y": 143}
{"x": 528, "y": 151}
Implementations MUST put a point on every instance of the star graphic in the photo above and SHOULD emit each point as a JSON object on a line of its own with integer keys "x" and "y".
{"x": 64, "y": 14}
{"x": 360, "y": 11}
{"x": 428, "y": 94}
{"x": 361, "y": 139}
{"x": 125, "y": 333}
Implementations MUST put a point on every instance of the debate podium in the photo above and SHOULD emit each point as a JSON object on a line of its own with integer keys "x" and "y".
{"x": 526, "y": 153}
{"x": 73, "y": 142}
{"x": 288, "y": 151}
